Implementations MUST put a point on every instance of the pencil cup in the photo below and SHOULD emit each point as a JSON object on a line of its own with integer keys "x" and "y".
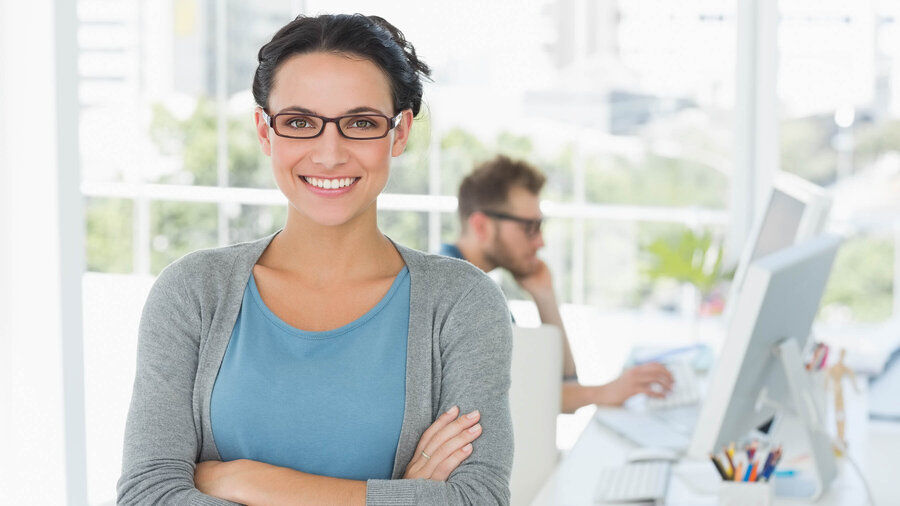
{"x": 743, "y": 493}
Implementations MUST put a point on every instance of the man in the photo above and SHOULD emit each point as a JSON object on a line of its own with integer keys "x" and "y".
{"x": 500, "y": 213}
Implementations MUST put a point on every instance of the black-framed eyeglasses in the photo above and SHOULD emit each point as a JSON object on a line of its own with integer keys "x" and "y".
{"x": 532, "y": 226}
{"x": 299, "y": 125}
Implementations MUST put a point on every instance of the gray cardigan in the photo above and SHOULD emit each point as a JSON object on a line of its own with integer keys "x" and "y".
{"x": 458, "y": 353}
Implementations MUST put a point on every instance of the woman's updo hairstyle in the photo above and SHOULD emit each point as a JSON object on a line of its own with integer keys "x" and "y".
{"x": 369, "y": 37}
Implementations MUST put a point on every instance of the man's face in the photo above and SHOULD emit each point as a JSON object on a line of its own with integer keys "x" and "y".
{"x": 512, "y": 247}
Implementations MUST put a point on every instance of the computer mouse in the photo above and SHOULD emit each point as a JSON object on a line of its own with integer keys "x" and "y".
{"x": 649, "y": 453}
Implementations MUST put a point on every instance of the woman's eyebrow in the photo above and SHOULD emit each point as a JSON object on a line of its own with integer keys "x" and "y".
{"x": 297, "y": 108}
{"x": 355, "y": 110}
{"x": 362, "y": 109}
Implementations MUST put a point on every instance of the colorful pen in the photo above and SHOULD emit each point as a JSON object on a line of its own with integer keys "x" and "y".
{"x": 824, "y": 357}
{"x": 814, "y": 361}
{"x": 729, "y": 454}
{"x": 751, "y": 450}
{"x": 749, "y": 472}
{"x": 719, "y": 467}
{"x": 767, "y": 467}
{"x": 771, "y": 462}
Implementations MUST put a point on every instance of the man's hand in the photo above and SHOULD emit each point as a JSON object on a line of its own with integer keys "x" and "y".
{"x": 539, "y": 282}
{"x": 651, "y": 379}
{"x": 444, "y": 445}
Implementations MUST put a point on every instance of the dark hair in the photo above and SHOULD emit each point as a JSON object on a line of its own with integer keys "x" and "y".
{"x": 487, "y": 187}
{"x": 369, "y": 37}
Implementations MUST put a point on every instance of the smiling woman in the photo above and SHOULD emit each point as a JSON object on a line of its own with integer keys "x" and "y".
{"x": 325, "y": 363}
{"x": 305, "y": 148}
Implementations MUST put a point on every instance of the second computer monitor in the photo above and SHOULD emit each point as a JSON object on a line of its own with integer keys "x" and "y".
{"x": 759, "y": 373}
{"x": 796, "y": 210}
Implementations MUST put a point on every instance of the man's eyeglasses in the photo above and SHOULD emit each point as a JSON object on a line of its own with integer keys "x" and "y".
{"x": 532, "y": 227}
{"x": 298, "y": 125}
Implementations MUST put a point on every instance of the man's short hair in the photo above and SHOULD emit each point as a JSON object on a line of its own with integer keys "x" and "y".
{"x": 487, "y": 186}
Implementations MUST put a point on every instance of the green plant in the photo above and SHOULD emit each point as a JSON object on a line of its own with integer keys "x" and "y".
{"x": 687, "y": 258}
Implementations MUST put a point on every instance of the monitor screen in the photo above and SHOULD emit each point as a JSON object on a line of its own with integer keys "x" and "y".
{"x": 780, "y": 222}
{"x": 778, "y": 302}
{"x": 796, "y": 210}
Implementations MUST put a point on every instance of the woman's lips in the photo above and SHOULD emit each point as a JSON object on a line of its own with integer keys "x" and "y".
{"x": 329, "y": 186}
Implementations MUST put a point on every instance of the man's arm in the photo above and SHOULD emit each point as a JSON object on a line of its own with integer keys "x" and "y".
{"x": 637, "y": 380}
{"x": 549, "y": 312}
{"x": 539, "y": 285}
{"x": 640, "y": 379}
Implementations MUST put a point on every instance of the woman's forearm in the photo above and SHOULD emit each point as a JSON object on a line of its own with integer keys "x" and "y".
{"x": 256, "y": 483}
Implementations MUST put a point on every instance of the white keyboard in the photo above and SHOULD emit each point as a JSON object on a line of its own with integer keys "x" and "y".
{"x": 685, "y": 391}
{"x": 646, "y": 429}
{"x": 635, "y": 482}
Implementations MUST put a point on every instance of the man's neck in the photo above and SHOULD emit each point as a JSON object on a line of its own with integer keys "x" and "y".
{"x": 473, "y": 254}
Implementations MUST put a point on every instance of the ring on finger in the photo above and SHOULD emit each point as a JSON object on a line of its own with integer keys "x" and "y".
{"x": 425, "y": 455}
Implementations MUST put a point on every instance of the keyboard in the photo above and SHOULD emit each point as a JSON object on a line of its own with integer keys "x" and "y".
{"x": 685, "y": 391}
{"x": 649, "y": 429}
{"x": 635, "y": 482}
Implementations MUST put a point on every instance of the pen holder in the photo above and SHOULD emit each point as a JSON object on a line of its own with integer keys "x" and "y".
{"x": 743, "y": 493}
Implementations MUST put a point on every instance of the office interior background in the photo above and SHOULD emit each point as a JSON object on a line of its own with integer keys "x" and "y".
{"x": 126, "y": 141}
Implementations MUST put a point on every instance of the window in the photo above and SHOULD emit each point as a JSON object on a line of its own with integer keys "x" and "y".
{"x": 840, "y": 127}
{"x": 635, "y": 134}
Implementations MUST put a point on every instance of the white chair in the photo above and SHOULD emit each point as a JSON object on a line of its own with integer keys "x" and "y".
{"x": 535, "y": 401}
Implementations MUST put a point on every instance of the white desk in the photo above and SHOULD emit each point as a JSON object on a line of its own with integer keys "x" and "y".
{"x": 574, "y": 480}
{"x": 874, "y": 445}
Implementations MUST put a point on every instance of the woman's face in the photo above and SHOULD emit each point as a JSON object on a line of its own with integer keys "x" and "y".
{"x": 314, "y": 173}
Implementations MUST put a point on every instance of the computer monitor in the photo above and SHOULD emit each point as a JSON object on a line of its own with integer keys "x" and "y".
{"x": 759, "y": 373}
{"x": 795, "y": 211}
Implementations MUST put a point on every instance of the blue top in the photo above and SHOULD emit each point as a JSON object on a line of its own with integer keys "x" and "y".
{"x": 450, "y": 250}
{"x": 327, "y": 403}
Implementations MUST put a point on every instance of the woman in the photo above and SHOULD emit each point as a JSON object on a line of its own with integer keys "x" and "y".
{"x": 324, "y": 364}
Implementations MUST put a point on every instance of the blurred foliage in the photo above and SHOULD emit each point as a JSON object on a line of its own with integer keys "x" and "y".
{"x": 461, "y": 151}
{"x": 194, "y": 140}
{"x": 808, "y": 145}
{"x": 655, "y": 181}
{"x": 109, "y": 235}
{"x": 875, "y": 139}
{"x": 407, "y": 228}
{"x": 177, "y": 228}
{"x": 409, "y": 171}
{"x": 450, "y": 228}
{"x": 248, "y": 223}
{"x": 687, "y": 258}
{"x": 862, "y": 279}
{"x": 806, "y": 149}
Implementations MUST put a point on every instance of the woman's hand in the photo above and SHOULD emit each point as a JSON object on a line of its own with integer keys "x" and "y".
{"x": 444, "y": 445}
{"x": 225, "y": 479}
{"x": 254, "y": 483}
{"x": 217, "y": 478}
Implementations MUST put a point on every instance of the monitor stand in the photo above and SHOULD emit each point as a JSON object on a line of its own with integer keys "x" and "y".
{"x": 802, "y": 425}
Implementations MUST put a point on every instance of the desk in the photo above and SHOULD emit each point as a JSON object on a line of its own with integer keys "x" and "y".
{"x": 574, "y": 479}
{"x": 874, "y": 445}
